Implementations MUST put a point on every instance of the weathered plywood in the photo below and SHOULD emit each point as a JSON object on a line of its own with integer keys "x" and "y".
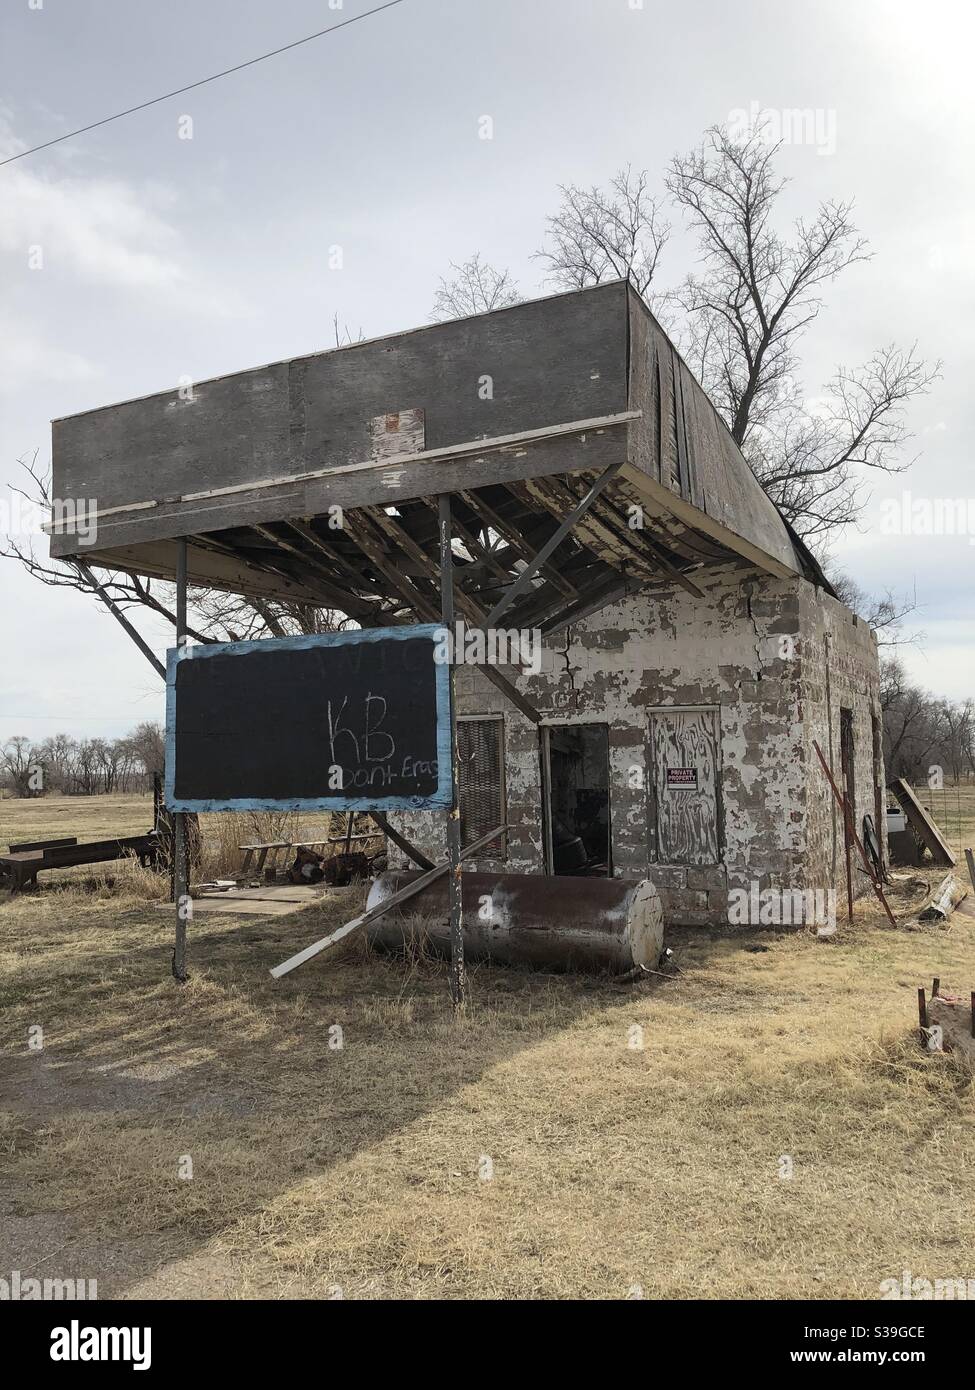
{"x": 684, "y": 758}
{"x": 569, "y": 383}
{"x": 681, "y": 444}
{"x": 922, "y": 824}
{"x": 271, "y": 901}
{"x": 531, "y": 366}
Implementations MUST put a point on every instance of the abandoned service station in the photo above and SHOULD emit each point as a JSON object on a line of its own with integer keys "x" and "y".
{"x": 681, "y": 649}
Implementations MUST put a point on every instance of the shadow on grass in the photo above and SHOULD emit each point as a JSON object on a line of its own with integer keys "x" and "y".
{"x": 265, "y": 1083}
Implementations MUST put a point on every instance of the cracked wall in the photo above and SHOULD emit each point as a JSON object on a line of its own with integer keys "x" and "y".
{"x": 752, "y": 649}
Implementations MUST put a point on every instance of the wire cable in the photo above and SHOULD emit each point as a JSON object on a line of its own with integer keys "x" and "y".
{"x": 354, "y": 19}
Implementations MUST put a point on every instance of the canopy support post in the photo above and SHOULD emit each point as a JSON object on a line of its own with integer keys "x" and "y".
{"x": 458, "y": 979}
{"x": 181, "y": 867}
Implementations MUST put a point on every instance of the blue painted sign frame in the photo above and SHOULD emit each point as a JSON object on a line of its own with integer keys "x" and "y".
{"x": 439, "y": 800}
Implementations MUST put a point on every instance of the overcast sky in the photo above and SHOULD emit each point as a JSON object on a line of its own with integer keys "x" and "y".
{"x": 166, "y": 258}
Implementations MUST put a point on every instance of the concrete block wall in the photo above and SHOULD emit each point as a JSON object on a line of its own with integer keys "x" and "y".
{"x": 752, "y": 650}
{"x": 840, "y": 668}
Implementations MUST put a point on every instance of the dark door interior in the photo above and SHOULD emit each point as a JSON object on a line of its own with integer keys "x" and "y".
{"x": 578, "y": 798}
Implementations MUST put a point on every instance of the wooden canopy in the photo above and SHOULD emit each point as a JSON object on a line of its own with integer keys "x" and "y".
{"x": 316, "y": 479}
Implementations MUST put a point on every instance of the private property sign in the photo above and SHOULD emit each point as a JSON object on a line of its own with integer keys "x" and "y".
{"x": 682, "y": 779}
{"x": 339, "y": 721}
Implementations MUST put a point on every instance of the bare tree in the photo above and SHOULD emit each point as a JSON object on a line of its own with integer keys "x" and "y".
{"x": 87, "y": 766}
{"x": 17, "y": 763}
{"x": 215, "y": 616}
{"x": 616, "y": 233}
{"x": 920, "y": 731}
{"x": 746, "y": 312}
{"x": 474, "y": 288}
{"x": 883, "y": 613}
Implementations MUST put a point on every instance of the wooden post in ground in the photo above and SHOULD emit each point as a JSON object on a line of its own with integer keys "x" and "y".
{"x": 181, "y": 865}
{"x": 970, "y": 861}
{"x": 458, "y": 979}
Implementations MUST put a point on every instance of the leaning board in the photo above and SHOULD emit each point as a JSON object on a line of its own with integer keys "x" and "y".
{"x": 922, "y": 823}
{"x": 350, "y": 721}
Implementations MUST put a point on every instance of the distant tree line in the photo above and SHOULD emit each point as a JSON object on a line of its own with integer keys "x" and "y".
{"x": 922, "y": 732}
{"x": 82, "y": 767}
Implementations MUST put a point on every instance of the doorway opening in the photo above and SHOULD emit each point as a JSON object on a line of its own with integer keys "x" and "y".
{"x": 847, "y": 759}
{"x": 575, "y": 780}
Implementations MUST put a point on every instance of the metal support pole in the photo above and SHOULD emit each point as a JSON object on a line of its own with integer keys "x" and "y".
{"x": 458, "y": 979}
{"x": 120, "y": 618}
{"x": 181, "y": 867}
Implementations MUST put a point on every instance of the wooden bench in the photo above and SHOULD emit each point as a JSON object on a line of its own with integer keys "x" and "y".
{"x": 21, "y": 863}
{"x": 268, "y": 851}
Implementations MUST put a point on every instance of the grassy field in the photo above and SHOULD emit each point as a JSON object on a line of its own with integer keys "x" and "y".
{"x": 569, "y": 1138}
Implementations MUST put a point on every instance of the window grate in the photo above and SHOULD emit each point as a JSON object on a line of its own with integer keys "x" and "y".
{"x": 480, "y": 780}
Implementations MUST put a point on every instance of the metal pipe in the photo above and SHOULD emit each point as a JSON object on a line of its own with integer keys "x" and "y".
{"x": 541, "y": 920}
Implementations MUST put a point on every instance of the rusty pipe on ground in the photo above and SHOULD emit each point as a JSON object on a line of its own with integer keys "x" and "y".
{"x": 539, "y": 920}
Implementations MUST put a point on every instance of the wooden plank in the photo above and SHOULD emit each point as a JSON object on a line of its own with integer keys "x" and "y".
{"x": 244, "y": 907}
{"x": 323, "y": 579}
{"x": 394, "y": 900}
{"x": 613, "y": 588}
{"x": 698, "y": 520}
{"x": 337, "y": 559}
{"x": 27, "y": 845}
{"x": 426, "y": 607}
{"x": 382, "y": 484}
{"x": 210, "y": 566}
{"x": 527, "y": 575}
{"x": 922, "y": 824}
{"x": 408, "y": 848}
{"x": 515, "y": 540}
{"x": 718, "y": 479}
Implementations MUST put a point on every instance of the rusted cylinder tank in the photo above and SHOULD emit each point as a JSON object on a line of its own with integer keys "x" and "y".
{"x": 530, "y": 919}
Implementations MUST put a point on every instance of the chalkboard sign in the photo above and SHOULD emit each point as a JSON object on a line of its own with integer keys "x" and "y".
{"x": 351, "y": 721}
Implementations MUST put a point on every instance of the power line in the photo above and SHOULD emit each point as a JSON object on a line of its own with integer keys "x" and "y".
{"x": 202, "y": 82}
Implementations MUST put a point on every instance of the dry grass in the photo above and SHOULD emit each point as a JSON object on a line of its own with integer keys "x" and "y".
{"x": 361, "y": 1167}
{"x": 96, "y": 817}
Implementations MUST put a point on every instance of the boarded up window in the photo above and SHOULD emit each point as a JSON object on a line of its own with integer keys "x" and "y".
{"x": 480, "y": 780}
{"x": 684, "y": 757}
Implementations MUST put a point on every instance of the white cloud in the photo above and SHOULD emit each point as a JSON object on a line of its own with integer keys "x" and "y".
{"x": 102, "y": 228}
{"x": 26, "y": 359}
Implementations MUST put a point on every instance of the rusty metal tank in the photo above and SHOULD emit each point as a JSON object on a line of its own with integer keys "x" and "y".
{"x": 563, "y": 923}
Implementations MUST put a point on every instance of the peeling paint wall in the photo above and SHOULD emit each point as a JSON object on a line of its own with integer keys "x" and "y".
{"x": 755, "y": 650}
{"x": 839, "y": 670}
